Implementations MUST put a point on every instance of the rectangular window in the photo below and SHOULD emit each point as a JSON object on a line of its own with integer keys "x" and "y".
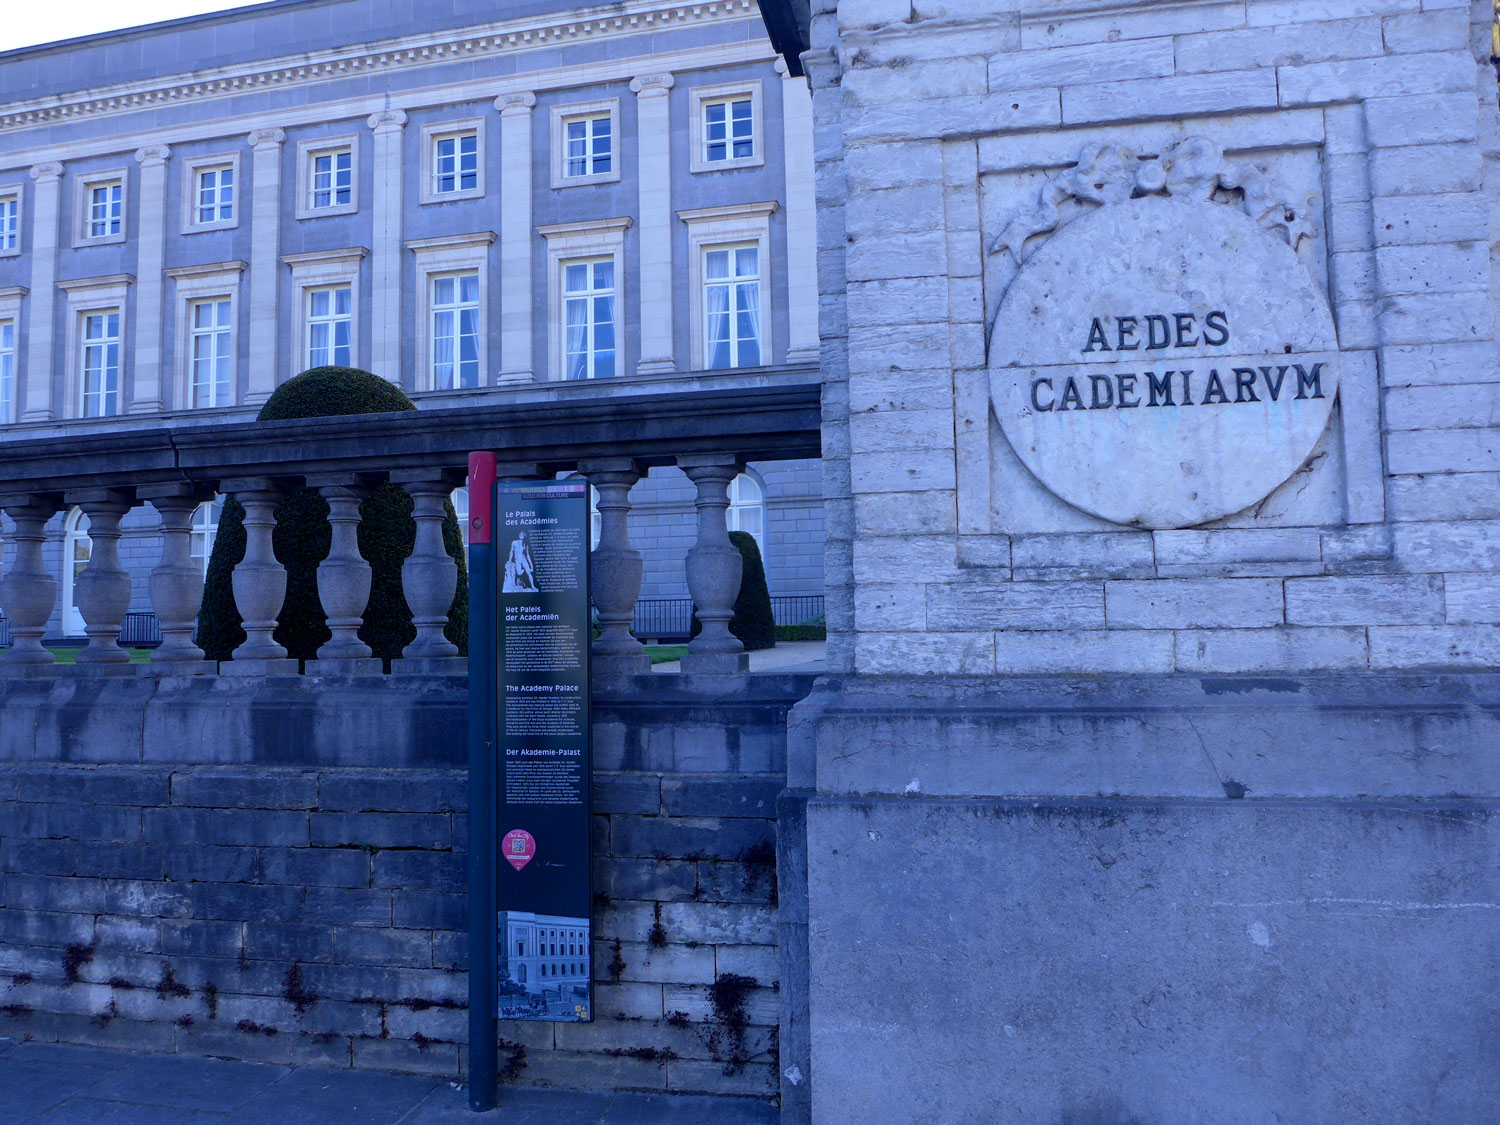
{"x": 215, "y": 194}
{"x": 7, "y": 371}
{"x": 731, "y": 304}
{"x": 589, "y": 312}
{"x": 455, "y": 163}
{"x": 590, "y": 146}
{"x": 455, "y": 331}
{"x": 211, "y": 339}
{"x": 10, "y": 223}
{"x": 728, "y": 129}
{"x": 330, "y": 324}
{"x": 101, "y": 363}
{"x": 105, "y": 209}
{"x": 332, "y": 178}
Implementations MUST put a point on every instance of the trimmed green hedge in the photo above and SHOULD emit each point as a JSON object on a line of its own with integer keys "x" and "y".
{"x": 753, "y": 622}
{"x": 302, "y": 537}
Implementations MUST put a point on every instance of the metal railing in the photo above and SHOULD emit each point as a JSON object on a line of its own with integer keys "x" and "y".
{"x": 140, "y": 630}
{"x": 671, "y": 619}
{"x": 4, "y": 633}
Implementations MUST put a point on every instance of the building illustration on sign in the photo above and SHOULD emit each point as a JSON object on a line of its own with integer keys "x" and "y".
{"x": 544, "y": 966}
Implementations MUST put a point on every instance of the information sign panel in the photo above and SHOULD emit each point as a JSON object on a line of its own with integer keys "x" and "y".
{"x": 543, "y": 891}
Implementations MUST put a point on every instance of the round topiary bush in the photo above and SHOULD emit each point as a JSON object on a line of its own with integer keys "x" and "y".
{"x": 753, "y": 622}
{"x": 302, "y": 538}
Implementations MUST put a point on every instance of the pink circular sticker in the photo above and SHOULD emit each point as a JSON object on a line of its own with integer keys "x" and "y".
{"x": 518, "y": 847}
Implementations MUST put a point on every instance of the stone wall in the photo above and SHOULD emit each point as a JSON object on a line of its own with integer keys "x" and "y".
{"x": 938, "y": 125}
{"x": 180, "y": 871}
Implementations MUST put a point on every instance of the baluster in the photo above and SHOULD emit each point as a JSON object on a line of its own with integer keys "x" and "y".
{"x": 713, "y": 569}
{"x": 344, "y": 577}
{"x": 177, "y": 583}
{"x": 28, "y": 592}
{"x": 615, "y": 570}
{"x": 429, "y": 577}
{"x": 102, "y": 591}
{"x": 259, "y": 582}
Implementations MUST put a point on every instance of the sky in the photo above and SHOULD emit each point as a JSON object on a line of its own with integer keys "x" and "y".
{"x": 28, "y": 22}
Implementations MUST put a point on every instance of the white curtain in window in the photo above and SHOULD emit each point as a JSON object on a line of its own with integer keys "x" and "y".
{"x": 578, "y": 327}
{"x": 442, "y": 351}
{"x": 718, "y": 326}
{"x": 749, "y": 324}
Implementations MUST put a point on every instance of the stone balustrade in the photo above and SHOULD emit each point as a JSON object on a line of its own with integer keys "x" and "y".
{"x": 259, "y": 476}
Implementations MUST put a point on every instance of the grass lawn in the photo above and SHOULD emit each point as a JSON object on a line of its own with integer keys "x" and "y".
{"x": 70, "y": 655}
{"x": 665, "y": 654}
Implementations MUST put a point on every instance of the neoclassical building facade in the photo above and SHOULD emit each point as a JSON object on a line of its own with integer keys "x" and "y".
{"x": 473, "y": 208}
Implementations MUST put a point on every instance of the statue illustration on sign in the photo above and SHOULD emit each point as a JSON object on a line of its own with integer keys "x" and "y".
{"x": 1163, "y": 359}
{"x": 520, "y": 574}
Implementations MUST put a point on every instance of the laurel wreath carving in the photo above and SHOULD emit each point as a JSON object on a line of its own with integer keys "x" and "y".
{"x": 1193, "y": 168}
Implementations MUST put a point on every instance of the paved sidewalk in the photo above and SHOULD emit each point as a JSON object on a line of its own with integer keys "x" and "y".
{"x": 61, "y": 1085}
{"x": 786, "y": 656}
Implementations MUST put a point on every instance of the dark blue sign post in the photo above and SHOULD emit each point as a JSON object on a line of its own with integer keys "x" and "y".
{"x": 530, "y": 869}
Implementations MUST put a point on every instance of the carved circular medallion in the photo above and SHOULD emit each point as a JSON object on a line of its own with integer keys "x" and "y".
{"x": 1163, "y": 363}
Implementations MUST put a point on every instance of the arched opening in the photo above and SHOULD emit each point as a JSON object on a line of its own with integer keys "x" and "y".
{"x": 205, "y": 531}
{"x": 747, "y": 508}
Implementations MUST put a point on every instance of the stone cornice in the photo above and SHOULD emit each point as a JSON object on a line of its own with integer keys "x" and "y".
{"x": 501, "y": 37}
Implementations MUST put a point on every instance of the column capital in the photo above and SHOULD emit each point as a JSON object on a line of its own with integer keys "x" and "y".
{"x": 48, "y": 173}
{"x": 261, "y": 139}
{"x": 821, "y": 67}
{"x": 388, "y": 121}
{"x": 710, "y": 466}
{"x": 652, "y": 85}
{"x": 511, "y": 104}
{"x": 153, "y": 156}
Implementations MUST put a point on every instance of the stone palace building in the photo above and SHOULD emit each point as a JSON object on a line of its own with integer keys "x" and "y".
{"x": 479, "y": 207}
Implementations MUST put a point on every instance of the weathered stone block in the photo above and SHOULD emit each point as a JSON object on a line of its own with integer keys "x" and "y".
{"x": 381, "y": 830}
{"x": 1229, "y": 603}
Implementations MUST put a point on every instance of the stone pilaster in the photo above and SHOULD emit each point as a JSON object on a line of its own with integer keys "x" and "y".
{"x": 654, "y": 176}
{"x": 516, "y": 236}
{"x": 34, "y": 398}
{"x": 149, "y": 396}
{"x": 385, "y": 247}
{"x": 801, "y": 219}
{"x": 615, "y": 570}
{"x": 714, "y": 568}
{"x": 102, "y": 591}
{"x": 29, "y": 590}
{"x": 265, "y": 263}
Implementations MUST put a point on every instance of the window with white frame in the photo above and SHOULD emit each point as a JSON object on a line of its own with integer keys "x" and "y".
{"x": 729, "y": 284}
{"x": 214, "y": 194}
{"x": 455, "y": 331}
{"x": 327, "y": 284}
{"x": 589, "y": 318}
{"x": 101, "y": 363}
{"x": 453, "y": 160}
{"x": 452, "y": 349}
{"x": 747, "y": 508}
{"x": 205, "y": 529}
{"x": 106, "y": 213}
{"x": 77, "y": 548}
{"x": 455, "y": 163}
{"x": 731, "y": 305}
{"x": 459, "y": 498}
{"x": 10, "y": 222}
{"x": 210, "y": 349}
{"x": 210, "y": 192}
{"x": 726, "y": 127}
{"x": 327, "y": 183}
{"x": 99, "y": 207}
{"x": 7, "y": 371}
{"x": 585, "y": 298}
{"x": 330, "y": 326}
{"x": 589, "y": 146}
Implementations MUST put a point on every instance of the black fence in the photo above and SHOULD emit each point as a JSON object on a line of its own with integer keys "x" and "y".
{"x": 671, "y": 619}
{"x": 141, "y": 630}
{"x": 5, "y": 638}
